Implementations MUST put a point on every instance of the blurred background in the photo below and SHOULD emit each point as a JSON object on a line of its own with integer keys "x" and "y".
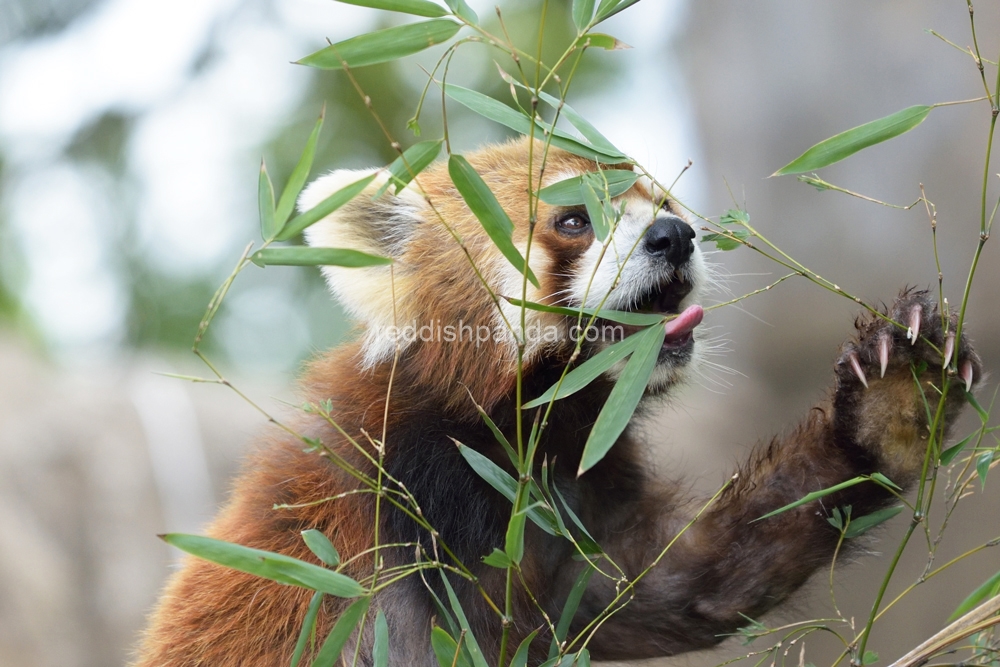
{"x": 130, "y": 137}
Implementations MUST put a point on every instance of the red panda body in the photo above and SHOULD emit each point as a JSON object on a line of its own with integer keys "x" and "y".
{"x": 719, "y": 571}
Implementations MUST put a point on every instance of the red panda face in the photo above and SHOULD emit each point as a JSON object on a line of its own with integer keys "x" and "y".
{"x": 444, "y": 302}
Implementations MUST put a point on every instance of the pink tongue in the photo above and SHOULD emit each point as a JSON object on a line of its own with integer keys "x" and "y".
{"x": 684, "y": 323}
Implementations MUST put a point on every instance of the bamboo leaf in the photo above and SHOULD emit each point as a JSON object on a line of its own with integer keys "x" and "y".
{"x": 948, "y": 455}
{"x": 569, "y": 192}
{"x": 446, "y": 649}
{"x": 569, "y": 609}
{"x": 299, "y": 175}
{"x": 414, "y": 160}
{"x": 341, "y": 632}
{"x": 613, "y": 7}
{"x": 588, "y": 371}
{"x": 320, "y": 545}
{"x": 520, "y": 658}
{"x": 583, "y": 11}
{"x": 809, "y": 497}
{"x": 514, "y": 541}
{"x": 987, "y": 590}
{"x": 622, "y": 316}
{"x": 863, "y": 524}
{"x": 276, "y": 567}
{"x": 602, "y": 41}
{"x": 415, "y": 7}
{"x": 983, "y": 462}
{"x": 583, "y": 126}
{"x": 484, "y": 205}
{"x": 299, "y": 223}
{"x": 308, "y": 625}
{"x": 265, "y": 204}
{"x": 847, "y": 143}
{"x": 624, "y": 397}
{"x": 879, "y": 477}
{"x": 304, "y": 256}
{"x": 460, "y": 8}
{"x": 498, "y": 478}
{"x": 489, "y": 108}
{"x": 383, "y": 45}
{"x": 595, "y": 209}
{"x": 470, "y": 639}
{"x": 380, "y": 647}
{"x": 498, "y": 559}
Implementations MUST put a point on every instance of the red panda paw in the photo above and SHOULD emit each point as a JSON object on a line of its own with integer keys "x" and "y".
{"x": 879, "y": 403}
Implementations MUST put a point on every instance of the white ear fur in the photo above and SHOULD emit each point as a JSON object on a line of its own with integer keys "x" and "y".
{"x": 382, "y": 226}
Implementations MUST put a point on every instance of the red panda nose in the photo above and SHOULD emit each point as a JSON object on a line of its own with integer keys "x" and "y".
{"x": 672, "y": 239}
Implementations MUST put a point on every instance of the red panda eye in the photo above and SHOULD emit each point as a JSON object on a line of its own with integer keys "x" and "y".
{"x": 573, "y": 223}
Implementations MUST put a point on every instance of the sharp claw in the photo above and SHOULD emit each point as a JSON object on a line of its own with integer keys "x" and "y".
{"x": 949, "y": 348}
{"x": 914, "y": 331}
{"x": 966, "y": 374}
{"x": 883, "y": 352}
{"x": 852, "y": 356}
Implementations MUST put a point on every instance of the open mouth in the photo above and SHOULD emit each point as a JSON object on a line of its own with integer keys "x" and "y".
{"x": 665, "y": 299}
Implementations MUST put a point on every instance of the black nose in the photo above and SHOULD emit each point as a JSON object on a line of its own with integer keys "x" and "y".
{"x": 671, "y": 239}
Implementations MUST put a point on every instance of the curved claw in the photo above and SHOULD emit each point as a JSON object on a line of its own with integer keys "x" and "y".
{"x": 883, "y": 352}
{"x": 852, "y": 357}
{"x": 965, "y": 372}
{"x": 949, "y": 347}
{"x": 914, "y": 331}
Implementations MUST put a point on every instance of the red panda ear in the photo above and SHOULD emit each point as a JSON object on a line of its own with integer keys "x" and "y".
{"x": 382, "y": 226}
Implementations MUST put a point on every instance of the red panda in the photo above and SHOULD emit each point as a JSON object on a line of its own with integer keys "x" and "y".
{"x": 724, "y": 568}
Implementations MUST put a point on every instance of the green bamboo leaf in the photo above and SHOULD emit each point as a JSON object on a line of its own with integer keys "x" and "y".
{"x": 497, "y": 433}
{"x": 265, "y": 204}
{"x": 863, "y": 524}
{"x": 583, "y": 11}
{"x": 586, "y": 542}
{"x": 470, "y": 639}
{"x": 414, "y": 160}
{"x": 383, "y": 45}
{"x": 984, "y": 416}
{"x": 460, "y": 8}
{"x": 276, "y": 567}
{"x": 415, "y": 7}
{"x": 484, "y": 205}
{"x": 879, "y": 477}
{"x": 514, "y": 541}
{"x": 341, "y": 632}
{"x": 299, "y": 175}
{"x": 621, "y": 316}
{"x": 520, "y": 658}
{"x": 601, "y": 41}
{"x": 497, "y": 559}
{"x": 809, "y": 497}
{"x": 446, "y": 649}
{"x": 588, "y": 371}
{"x": 847, "y": 143}
{"x": 986, "y": 591}
{"x": 570, "y": 607}
{"x": 380, "y": 647}
{"x": 569, "y": 192}
{"x": 624, "y": 397}
{"x": 948, "y": 455}
{"x": 611, "y": 8}
{"x": 983, "y": 462}
{"x": 583, "y": 126}
{"x": 308, "y": 625}
{"x": 320, "y": 545}
{"x": 489, "y": 108}
{"x": 345, "y": 194}
{"x": 304, "y": 256}
{"x": 595, "y": 209}
{"x": 498, "y": 478}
